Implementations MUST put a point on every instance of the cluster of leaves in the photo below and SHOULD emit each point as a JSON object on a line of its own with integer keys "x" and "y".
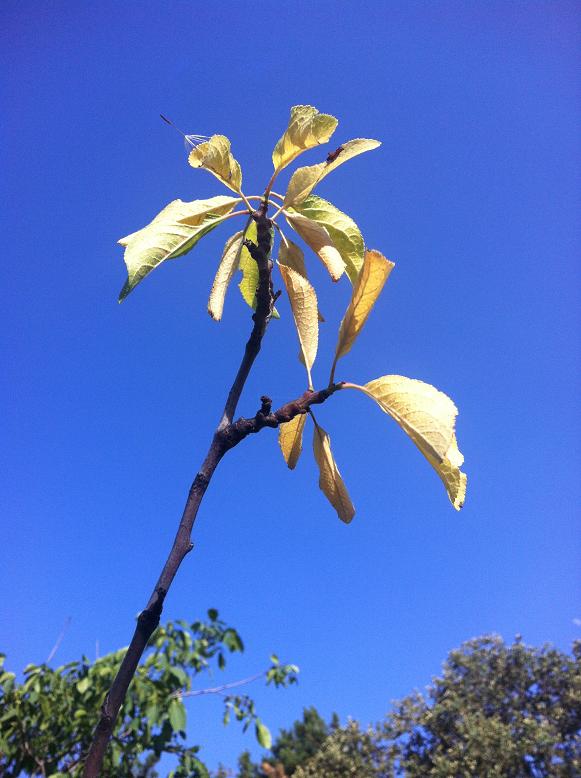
{"x": 427, "y": 415}
{"x": 497, "y": 710}
{"x": 47, "y": 720}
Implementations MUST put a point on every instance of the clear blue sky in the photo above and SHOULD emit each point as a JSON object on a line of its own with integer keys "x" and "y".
{"x": 109, "y": 409}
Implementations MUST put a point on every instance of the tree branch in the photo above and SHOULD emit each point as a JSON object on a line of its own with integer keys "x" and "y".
{"x": 264, "y": 306}
{"x": 227, "y": 435}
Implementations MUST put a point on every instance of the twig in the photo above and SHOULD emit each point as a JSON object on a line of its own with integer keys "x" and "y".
{"x": 218, "y": 689}
{"x": 59, "y": 640}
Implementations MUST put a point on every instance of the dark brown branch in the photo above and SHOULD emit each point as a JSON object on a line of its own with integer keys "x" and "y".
{"x": 227, "y": 435}
{"x": 149, "y": 617}
{"x": 264, "y": 305}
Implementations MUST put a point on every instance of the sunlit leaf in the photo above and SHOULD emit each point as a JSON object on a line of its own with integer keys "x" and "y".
{"x": 304, "y": 179}
{"x": 330, "y": 481}
{"x": 344, "y": 232}
{"x": 172, "y": 233}
{"x": 303, "y": 302}
{"x": 290, "y": 439}
{"x": 374, "y": 273}
{"x": 228, "y": 266}
{"x": 306, "y": 128}
{"x": 263, "y": 734}
{"x": 429, "y": 418}
{"x": 215, "y": 156}
{"x": 317, "y": 237}
{"x": 249, "y": 269}
{"x": 291, "y": 255}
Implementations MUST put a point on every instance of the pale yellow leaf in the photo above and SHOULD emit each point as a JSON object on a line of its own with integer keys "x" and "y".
{"x": 215, "y": 156}
{"x": 304, "y": 179}
{"x": 320, "y": 241}
{"x": 291, "y": 255}
{"x": 306, "y": 128}
{"x": 374, "y": 273}
{"x": 226, "y": 269}
{"x": 303, "y": 302}
{"x": 344, "y": 233}
{"x": 330, "y": 481}
{"x": 429, "y": 418}
{"x": 290, "y": 439}
{"x": 170, "y": 235}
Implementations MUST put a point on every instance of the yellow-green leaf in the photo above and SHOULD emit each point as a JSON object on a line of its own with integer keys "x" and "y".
{"x": 428, "y": 416}
{"x": 215, "y": 155}
{"x": 330, "y": 481}
{"x": 344, "y": 233}
{"x": 249, "y": 269}
{"x": 374, "y": 273}
{"x": 304, "y": 179}
{"x": 306, "y": 128}
{"x": 303, "y": 302}
{"x": 290, "y": 439}
{"x": 172, "y": 233}
{"x": 317, "y": 237}
{"x": 226, "y": 269}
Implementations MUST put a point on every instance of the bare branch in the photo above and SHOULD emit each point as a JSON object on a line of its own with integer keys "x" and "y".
{"x": 218, "y": 689}
{"x": 59, "y": 640}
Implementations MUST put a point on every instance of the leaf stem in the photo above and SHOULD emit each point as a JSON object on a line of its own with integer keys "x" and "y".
{"x": 246, "y": 203}
{"x": 270, "y": 184}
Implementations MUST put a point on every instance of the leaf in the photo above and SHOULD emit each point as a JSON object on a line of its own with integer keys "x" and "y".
{"x": 317, "y": 238}
{"x": 83, "y": 685}
{"x": 374, "y": 273}
{"x": 249, "y": 282}
{"x": 304, "y": 179}
{"x": 306, "y": 128}
{"x": 172, "y": 233}
{"x": 263, "y": 734}
{"x": 215, "y": 156}
{"x": 226, "y": 269}
{"x": 303, "y": 302}
{"x": 291, "y": 255}
{"x": 330, "y": 481}
{"x": 344, "y": 233}
{"x": 429, "y": 418}
{"x": 290, "y": 439}
{"x": 177, "y": 715}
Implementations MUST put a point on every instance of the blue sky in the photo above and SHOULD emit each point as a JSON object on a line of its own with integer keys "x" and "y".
{"x": 109, "y": 409}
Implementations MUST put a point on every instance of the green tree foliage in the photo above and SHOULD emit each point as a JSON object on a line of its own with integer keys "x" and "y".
{"x": 297, "y": 744}
{"x": 504, "y": 711}
{"x": 497, "y": 710}
{"x": 46, "y": 721}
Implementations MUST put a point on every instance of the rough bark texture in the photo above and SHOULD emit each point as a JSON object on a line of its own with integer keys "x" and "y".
{"x": 227, "y": 435}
